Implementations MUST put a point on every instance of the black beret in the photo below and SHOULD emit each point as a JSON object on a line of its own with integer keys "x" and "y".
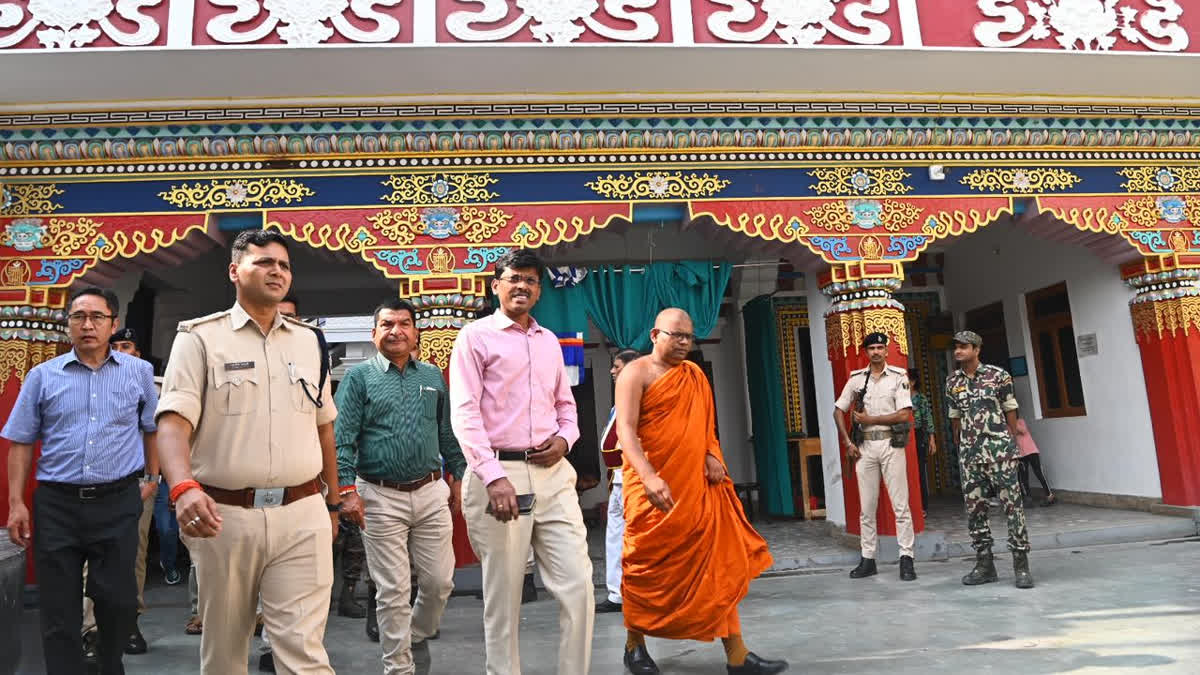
{"x": 875, "y": 339}
{"x": 123, "y": 335}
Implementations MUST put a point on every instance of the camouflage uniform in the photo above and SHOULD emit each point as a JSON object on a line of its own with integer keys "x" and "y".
{"x": 987, "y": 452}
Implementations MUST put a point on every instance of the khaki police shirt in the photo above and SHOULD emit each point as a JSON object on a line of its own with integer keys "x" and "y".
{"x": 887, "y": 393}
{"x": 244, "y": 393}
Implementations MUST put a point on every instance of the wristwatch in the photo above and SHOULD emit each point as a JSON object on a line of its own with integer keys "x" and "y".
{"x": 333, "y": 508}
{"x": 149, "y": 479}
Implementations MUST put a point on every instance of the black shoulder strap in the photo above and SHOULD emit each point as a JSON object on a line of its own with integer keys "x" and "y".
{"x": 323, "y": 353}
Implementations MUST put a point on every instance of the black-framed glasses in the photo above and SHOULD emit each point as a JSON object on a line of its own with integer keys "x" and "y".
{"x": 682, "y": 338}
{"x": 96, "y": 318}
{"x": 515, "y": 279}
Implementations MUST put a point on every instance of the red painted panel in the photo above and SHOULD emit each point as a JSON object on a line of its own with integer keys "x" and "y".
{"x": 82, "y": 27}
{"x": 1054, "y": 24}
{"x": 854, "y": 22}
{"x": 1174, "y": 396}
{"x": 650, "y": 25}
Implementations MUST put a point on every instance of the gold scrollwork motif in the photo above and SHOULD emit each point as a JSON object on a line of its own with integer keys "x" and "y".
{"x": 1161, "y": 178}
{"x": 67, "y": 235}
{"x": 1020, "y": 181}
{"x": 1143, "y": 211}
{"x": 789, "y": 319}
{"x": 844, "y": 180}
{"x": 1152, "y": 319}
{"x": 440, "y": 188}
{"x": 436, "y": 345}
{"x": 541, "y": 232}
{"x": 477, "y": 225}
{"x": 895, "y": 216}
{"x": 833, "y": 216}
{"x": 953, "y": 223}
{"x": 1088, "y": 219}
{"x": 128, "y": 245}
{"x": 399, "y": 225}
{"x": 328, "y": 236}
{"x": 18, "y": 357}
{"x": 844, "y": 331}
{"x": 24, "y": 199}
{"x": 236, "y": 193}
{"x": 657, "y": 185}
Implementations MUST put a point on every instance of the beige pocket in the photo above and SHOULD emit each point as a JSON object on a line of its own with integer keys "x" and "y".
{"x": 235, "y": 392}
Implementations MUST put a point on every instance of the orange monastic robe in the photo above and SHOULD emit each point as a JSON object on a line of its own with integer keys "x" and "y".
{"x": 685, "y": 571}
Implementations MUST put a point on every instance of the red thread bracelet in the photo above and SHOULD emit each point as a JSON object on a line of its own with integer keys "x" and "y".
{"x": 182, "y": 487}
{"x": 347, "y": 489}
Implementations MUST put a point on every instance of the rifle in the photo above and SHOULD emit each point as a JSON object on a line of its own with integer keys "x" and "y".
{"x": 860, "y": 398}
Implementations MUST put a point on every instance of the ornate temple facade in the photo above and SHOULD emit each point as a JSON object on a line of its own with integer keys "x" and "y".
{"x": 1028, "y": 170}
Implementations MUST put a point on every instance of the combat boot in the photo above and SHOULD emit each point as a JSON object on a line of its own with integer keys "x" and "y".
{"x": 984, "y": 572}
{"x": 346, "y": 604}
{"x": 866, "y": 568}
{"x": 1021, "y": 569}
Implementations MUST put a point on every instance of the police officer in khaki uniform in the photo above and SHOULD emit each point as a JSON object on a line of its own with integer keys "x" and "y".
{"x": 242, "y": 390}
{"x": 887, "y": 401}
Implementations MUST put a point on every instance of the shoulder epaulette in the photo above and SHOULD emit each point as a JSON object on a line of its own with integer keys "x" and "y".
{"x": 186, "y": 326}
{"x": 860, "y": 371}
{"x": 298, "y": 322}
{"x": 897, "y": 369}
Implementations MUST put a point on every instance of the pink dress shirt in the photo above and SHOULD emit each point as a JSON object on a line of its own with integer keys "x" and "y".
{"x": 508, "y": 391}
{"x": 1025, "y": 441}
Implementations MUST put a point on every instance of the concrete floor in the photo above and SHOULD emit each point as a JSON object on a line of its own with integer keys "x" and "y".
{"x": 1103, "y": 609}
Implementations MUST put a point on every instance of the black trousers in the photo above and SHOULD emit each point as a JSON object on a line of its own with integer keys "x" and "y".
{"x": 922, "y": 465}
{"x": 67, "y": 531}
{"x": 1034, "y": 462}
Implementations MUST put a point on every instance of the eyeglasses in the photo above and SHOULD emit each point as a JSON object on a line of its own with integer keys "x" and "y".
{"x": 682, "y": 338}
{"x": 78, "y": 318}
{"x": 517, "y": 279}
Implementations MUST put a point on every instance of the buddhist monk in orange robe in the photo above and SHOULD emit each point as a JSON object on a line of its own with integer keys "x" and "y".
{"x": 689, "y": 552}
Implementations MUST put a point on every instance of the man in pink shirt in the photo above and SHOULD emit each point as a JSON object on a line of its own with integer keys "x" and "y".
{"x": 514, "y": 416}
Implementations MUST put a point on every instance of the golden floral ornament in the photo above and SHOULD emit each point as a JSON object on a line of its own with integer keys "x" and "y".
{"x": 845, "y": 331}
{"x": 1020, "y": 181}
{"x": 440, "y": 188}
{"x": 227, "y": 194}
{"x": 1154, "y": 318}
{"x": 327, "y": 236}
{"x": 24, "y": 199}
{"x": 18, "y": 357}
{"x": 657, "y": 185}
{"x": 878, "y": 182}
{"x": 1161, "y": 178}
{"x": 867, "y": 214}
{"x": 436, "y": 345}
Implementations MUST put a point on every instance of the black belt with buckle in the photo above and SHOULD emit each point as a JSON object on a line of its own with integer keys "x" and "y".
{"x": 404, "y": 486}
{"x": 96, "y": 491}
{"x": 514, "y": 455}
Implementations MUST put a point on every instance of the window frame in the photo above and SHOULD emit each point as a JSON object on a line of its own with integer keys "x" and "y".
{"x": 1054, "y": 324}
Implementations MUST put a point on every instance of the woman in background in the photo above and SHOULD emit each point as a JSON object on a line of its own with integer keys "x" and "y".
{"x": 1031, "y": 459}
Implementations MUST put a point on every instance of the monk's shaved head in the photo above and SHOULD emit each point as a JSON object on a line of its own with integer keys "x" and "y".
{"x": 672, "y": 336}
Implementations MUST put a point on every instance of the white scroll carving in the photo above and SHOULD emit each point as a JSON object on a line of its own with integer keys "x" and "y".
{"x": 1088, "y": 25}
{"x": 803, "y": 22}
{"x": 553, "y": 21}
{"x": 303, "y": 23}
{"x": 78, "y": 23}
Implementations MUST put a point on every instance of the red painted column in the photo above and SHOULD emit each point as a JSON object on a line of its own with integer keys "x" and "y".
{"x": 1166, "y": 324}
{"x": 863, "y": 304}
{"x": 32, "y": 330}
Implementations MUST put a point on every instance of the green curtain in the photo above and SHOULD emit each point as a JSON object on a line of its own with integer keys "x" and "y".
{"x": 767, "y": 407}
{"x": 621, "y": 305}
{"x": 561, "y": 310}
{"x": 693, "y": 286}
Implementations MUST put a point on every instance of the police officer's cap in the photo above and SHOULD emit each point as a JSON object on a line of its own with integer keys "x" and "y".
{"x": 123, "y": 335}
{"x": 967, "y": 337}
{"x": 875, "y": 339}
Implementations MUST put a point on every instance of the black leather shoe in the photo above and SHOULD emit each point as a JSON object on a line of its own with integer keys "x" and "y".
{"x": 136, "y": 643}
{"x": 266, "y": 662}
{"x": 91, "y": 649}
{"x": 372, "y": 620}
{"x": 638, "y": 661}
{"x": 529, "y": 590}
{"x": 608, "y": 606}
{"x": 907, "y": 572}
{"x": 755, "y": 665}
{"x": 866, "y": 568}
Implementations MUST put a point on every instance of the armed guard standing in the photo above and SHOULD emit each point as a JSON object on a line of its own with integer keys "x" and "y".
{"x": 882, "y": 407}
{"x": 983, "y": 412}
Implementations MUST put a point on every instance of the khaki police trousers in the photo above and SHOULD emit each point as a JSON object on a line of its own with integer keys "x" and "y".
{"x": 89, "y": 610}
{"x": 558, "y": 537}
{"x": 399, "y": 524}
{"x": 880, "y": 458}
{"x": 285, "y": 554}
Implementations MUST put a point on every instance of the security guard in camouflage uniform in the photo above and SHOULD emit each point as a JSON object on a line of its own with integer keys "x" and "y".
{"x": 982, "y": 409}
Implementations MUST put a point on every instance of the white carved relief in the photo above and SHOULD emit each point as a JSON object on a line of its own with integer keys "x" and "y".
{"x": 69, "y": 23}
{"x": 803, "y": 22}
{"x": 1088, "y": 25}
{"x": 303, "y": 23}
{"x": 553, "y": 21}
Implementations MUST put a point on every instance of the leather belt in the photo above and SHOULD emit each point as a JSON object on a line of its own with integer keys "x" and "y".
{"x": 409, "y": 486}
{"x": 246, "y": 497}
{"x": 514, "y": 455}
{"x": 89, "y": 492}
{"x": 882, "y": 435}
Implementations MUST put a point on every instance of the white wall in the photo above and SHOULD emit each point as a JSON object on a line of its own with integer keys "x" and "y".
{"x": 1111, "y": 450}
{"x": 831, "y": 458}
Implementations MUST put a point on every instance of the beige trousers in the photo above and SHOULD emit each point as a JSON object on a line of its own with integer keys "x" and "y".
{"x": 879, "y": 457}
{"x": 558, "y": 537}
{"x": 286, "y": 555}
{"x": 399, "y": 524}
{"x": 89, "y": 611}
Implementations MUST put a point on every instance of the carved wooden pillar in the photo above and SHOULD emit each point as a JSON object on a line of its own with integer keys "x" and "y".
{"x": 1166, "y": 324}
{"x": 32, "y": 330}
{"x": 863, "y": 304}
{"x": 444, "y": 306}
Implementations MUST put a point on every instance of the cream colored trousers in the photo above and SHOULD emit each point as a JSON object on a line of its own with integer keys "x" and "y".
{"x": 399, "y": 524}
{"x": 286, "y": 555}
{"x": 878, "y": 459}
{"x": 557, "y": 535}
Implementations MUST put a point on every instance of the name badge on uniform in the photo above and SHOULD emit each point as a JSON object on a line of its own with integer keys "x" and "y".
{"x": 239, "y": 365}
